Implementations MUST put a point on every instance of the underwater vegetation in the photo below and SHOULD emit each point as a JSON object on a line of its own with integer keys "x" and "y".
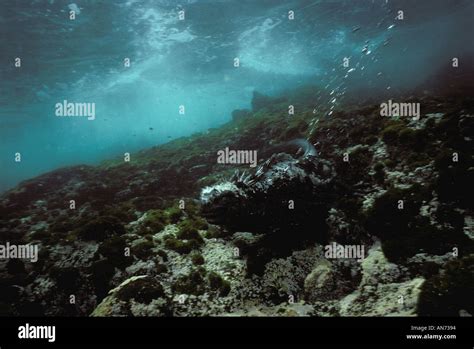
{"x": 139, "y": 243}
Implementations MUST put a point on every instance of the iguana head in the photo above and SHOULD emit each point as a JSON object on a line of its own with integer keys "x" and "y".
{"x": 224, "y": 204}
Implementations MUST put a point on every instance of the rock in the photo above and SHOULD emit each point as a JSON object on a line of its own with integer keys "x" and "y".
{"x": 450, "y": 291}
{"x": 320, "y": 282}
{"x": 395, "y": 299}
{"x": 469, "y": 227}
{"x": 137, "y": 289}
{"x": 284, "y": 278}
{"x": 239, "y": 114}
{"x": 123, "y": 194}
{"x": 378, "y": 293}
{"x": 377, "y": 269}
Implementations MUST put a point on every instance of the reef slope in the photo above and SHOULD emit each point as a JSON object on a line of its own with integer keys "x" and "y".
{"x": 136, "y": 243}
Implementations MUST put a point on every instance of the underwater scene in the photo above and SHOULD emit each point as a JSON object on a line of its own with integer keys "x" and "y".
{"x": 237, "y": 158}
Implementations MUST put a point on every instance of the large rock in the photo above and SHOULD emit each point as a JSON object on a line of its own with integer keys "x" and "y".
{"x": 137, "y": 296}
{"x": 382, "y": 292}
{"x": 320, "y": 282}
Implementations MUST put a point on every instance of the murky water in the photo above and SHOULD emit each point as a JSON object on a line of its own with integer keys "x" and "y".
{"x": 159, "y": 69}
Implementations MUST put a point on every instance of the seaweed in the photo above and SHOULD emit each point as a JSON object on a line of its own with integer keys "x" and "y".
{"x": 101, "y": 228}
{"x": 404, "y": 232}
{"x": 217, "y": 283}
{"x": 155, "y": 221}
{"x": 193, "y": 283}
{"x": 143, "y": 250}
{"x": 113, "y": 249}
{"x": 197, "y": 259}
{"x": 182, "y": 247}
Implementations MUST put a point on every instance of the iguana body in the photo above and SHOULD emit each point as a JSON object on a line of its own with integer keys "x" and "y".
{"x": 286, "y": 199}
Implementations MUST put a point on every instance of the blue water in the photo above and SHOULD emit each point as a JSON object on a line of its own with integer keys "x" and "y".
{"x": 190, "y": 62}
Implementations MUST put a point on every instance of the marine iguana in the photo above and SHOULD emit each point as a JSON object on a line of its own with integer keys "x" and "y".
{"x": 286, "y": 199}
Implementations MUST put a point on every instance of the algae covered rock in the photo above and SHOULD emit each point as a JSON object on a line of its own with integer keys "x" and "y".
{"x": 137, "y": 289}
{"x": 101, "y": 228}
{"x": 320, "y": 282}
{"x": 451, "y": 292}
{"x": 382, "y": 290}
{"x": 394, "y": 299}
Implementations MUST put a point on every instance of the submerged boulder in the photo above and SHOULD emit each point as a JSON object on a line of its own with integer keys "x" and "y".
{"x": 320, "y": 282}
{"x": 260, "y": 101}
{"x": 382, "y": 291}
